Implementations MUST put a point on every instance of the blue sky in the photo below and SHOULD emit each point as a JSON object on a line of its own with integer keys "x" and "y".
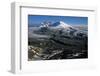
{"x": 72, "y": 20}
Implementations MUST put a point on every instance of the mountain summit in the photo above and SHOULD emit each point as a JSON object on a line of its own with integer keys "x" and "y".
{"x": 63, "y": 25}
{"x": 56, "y": 26}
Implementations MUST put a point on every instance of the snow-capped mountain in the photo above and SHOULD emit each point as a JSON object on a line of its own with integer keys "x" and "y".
{"x": 45, "y": 24}
{"x": 57, "y": 25}
{"x": 60, "y": 27}
{"x": 63, "y": 25}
